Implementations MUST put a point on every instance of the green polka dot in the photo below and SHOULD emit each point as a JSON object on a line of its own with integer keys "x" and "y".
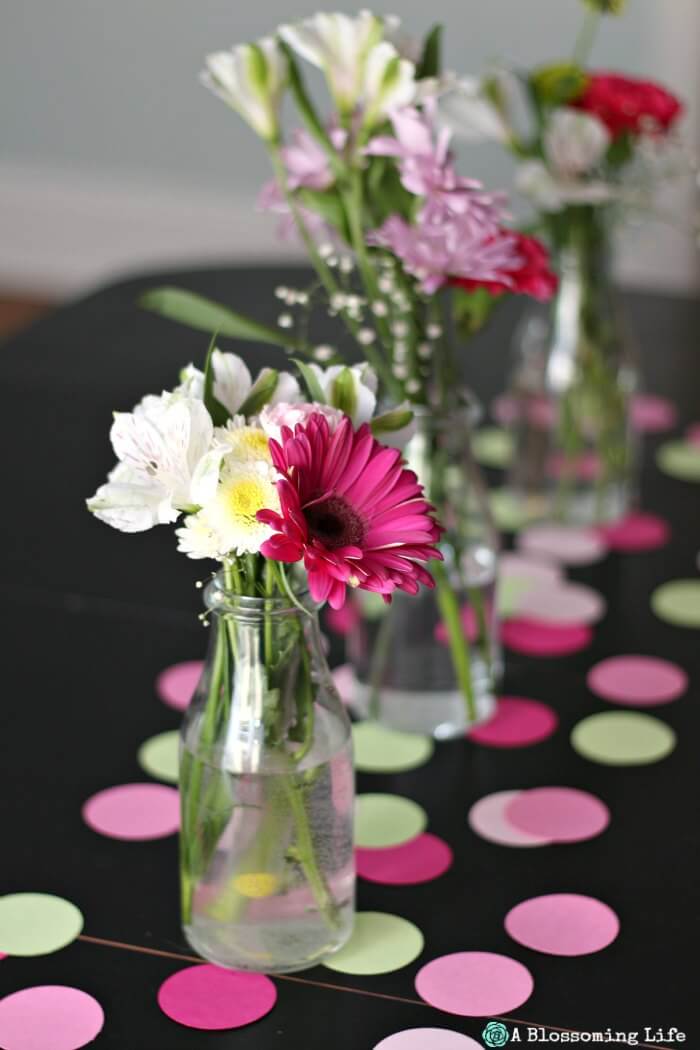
{"x": 382, "y": 750}
{"x": 159, "y": 756}
{"x": 680, "y": 459}
{"x": 512, "y": 512}
{"x": 623, "y": 738}
{"x": 37, "y": 923}
{"x": 387, "y": 820}
{"x": 380, "y": 943}
{"x": 509, "y": 592}
{"x": 678, "y": 602}
{"x": 493, "y": 447}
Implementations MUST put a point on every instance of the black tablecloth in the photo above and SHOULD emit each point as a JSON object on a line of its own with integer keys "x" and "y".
{"x": 91, "y": 617}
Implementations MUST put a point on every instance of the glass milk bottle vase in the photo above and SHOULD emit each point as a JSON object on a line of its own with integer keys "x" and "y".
{"x": 572, "y": 380}
{"x": 266, "y": 784}
{"x": 430, "y": 663}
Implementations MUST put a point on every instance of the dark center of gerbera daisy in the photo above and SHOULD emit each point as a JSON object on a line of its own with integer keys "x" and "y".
{"x": 335, "y": 523}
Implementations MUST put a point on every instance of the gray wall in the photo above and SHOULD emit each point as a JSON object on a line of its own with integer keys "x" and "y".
{"x": 107, "y": 91}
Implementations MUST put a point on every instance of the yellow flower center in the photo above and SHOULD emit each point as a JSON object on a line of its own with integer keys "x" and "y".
{"x": 249, "y": 443}
{"x": 257, "y": 884}
{"x": 245, "y": 498}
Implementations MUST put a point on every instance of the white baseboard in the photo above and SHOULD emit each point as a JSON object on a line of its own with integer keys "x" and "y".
{"x": 63, "y": 232}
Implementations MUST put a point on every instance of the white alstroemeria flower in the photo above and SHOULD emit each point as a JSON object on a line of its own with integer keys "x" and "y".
{"x": 250, "y": 78}
{"x": 574, "y": 142}
{"x": 388, "y": 83}
{"x": 549, "y": 193}
{"x": 132, "y": 502}
{"x": 233, "y": 383}
{"x": 360, "y": 402}
{"x": 228, "y": 522}
{"x": 470, "y": 114}
{"x": 338, "y": 44}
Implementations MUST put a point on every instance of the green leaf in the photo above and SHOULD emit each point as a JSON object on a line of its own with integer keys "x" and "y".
{"x": 307, "y": 110}
{"x": 343, "y": 393}
{"x": 430, "y": 64}
{"x": 329, "y": 205}
{"x": 558, "y": 84}
{"x": 261, "y": 392}
{"x": 216, "y": 410}
{"x": 620, "y": 150}
{"x": 396, "y": 419}
{"x": 312, "y": 383}
{"x": 177, "y": 304}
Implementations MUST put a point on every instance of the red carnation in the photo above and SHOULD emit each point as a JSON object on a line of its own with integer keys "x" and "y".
{"x": 624, "y": 104}
{"x": 532, "y": 277}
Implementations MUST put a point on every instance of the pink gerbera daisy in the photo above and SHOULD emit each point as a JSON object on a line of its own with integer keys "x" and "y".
{"x": 350, "y": 510}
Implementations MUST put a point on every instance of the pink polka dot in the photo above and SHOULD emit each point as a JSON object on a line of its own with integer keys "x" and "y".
{"x": 534, "y": 638}
{"x": 563, "y": 924}
{"x": 421, "y": 859}
{"x": 638, "y": 680}
{"x": 652, "y": 414}
{"x": 175, "y": 685}
{"x": 428, "y": 1039}
{"x": 345, "y": 682}
{"x": 49, "y": 1016}
{"x": 586, "y": 467}
{"x": 559, "y": 814}
{"x": 487, "y": 818}
{"x": 637, "y": 532}
{"x": 540, "y": 412}
{"x": 134, "y": 811}
{"x": 474, "y": 984}
{"x": 517, "y": 723}
{"x": 566, "y": 543}
{"x": 470, "y": 626}
{"x": 210, "y": 998}
{"x": 563, "y": 604}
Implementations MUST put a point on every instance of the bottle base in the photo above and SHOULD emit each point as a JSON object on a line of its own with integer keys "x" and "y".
{"x": 440, "y": 713}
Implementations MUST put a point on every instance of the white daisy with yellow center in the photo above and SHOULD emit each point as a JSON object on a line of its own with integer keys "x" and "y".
{"x": 244, "y": 489}
{"x": 244, "y": 443}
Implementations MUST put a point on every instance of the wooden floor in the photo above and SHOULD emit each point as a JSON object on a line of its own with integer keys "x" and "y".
{"x": 17, "y": 312}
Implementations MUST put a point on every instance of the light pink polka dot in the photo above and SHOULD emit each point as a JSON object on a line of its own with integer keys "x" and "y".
{"x": 566, "y": 604}
{"x": 637, "y": 680}
{"x": 428, "y": 1039}
{"x": 692, "y": 434}
{"x": 474, "y": 984}
{"x": 134, "y": 811}
{"x": 652, "y": 414}
{"x": 535, "y": 570}
{"x": 345, "y": 682}
{"x": 540, "y": 412}
{"x": 210, "y": 998}
{"x": 637, "y": 532}
{"x": 421, "y": 859}
{"x": 487, "y": 818}
{"x": 517, "y": 722}
{"x": 559, "y": 814}
{"x": 49, "y": 1017}
{"x": 565, "y": 543}
{"x": 175, "y": 685}
{"x": 586, "y": 467}
{"x": 563, "y": 924}
{"x": 534, "y": 638}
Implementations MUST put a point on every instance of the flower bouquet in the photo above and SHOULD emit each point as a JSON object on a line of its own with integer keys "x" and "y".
{"x": 409, "y": 257}
{"x": 296, "y": 503}
{"x": 592, "y": 149}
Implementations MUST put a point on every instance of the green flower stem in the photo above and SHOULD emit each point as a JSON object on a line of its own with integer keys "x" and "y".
{"x": 476, "y": 600}
{"x": 586, "y": 37}
{"x": 306, "y": 854}
{"x": 459, "y": 645}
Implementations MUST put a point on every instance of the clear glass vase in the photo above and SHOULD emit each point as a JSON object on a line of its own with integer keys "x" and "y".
{"x": 430, "y": 663}
{"x": 572, "y": 379}
{"x": 266, "y": 784}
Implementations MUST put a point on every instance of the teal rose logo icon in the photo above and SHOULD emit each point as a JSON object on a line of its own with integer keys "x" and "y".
{"x": 495, "y": 1034}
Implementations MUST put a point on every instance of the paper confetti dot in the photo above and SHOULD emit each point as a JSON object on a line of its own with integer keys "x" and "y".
{"x": 344, "y": 681}
{"x": 637, "y": 680}
{"x": 474, "y": 984}
{"x": 533, "y": 570}
{"x": 419, "y": 860}
{"x": 134, "y": 811}
{"x": 487, "y": 818}
{"x": 680, "y": 459}
{"x": 566, "y": 543}
{"x": 492, "y": 447}
{"x": 379, "y": 749}
{"x": 211, "y": 998}
{"x": 380, "y": 943}
{"x": 175, "y": 685}
{"x": 652, "y": 414}
{"x": 563, "y": 924}
{"x": 565, "y": 604}
{"x": 37, "y": 923}
{"x": 692, "y": 434}
{"x": 49, "y": 1017}
{"x": 637, "y": 532}
{"x": 159, "y": 756}
{"x": 623, "y": 738}
{"x": 508, "y": 510}
{"x": 560, "y": 814}
{"x": 387, "y": 820}
{"x": 534, "y": 638}
{"x": 517, "y": 722}
{"x": 428, "y": 1039}
{"x": 678, "y": 602}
